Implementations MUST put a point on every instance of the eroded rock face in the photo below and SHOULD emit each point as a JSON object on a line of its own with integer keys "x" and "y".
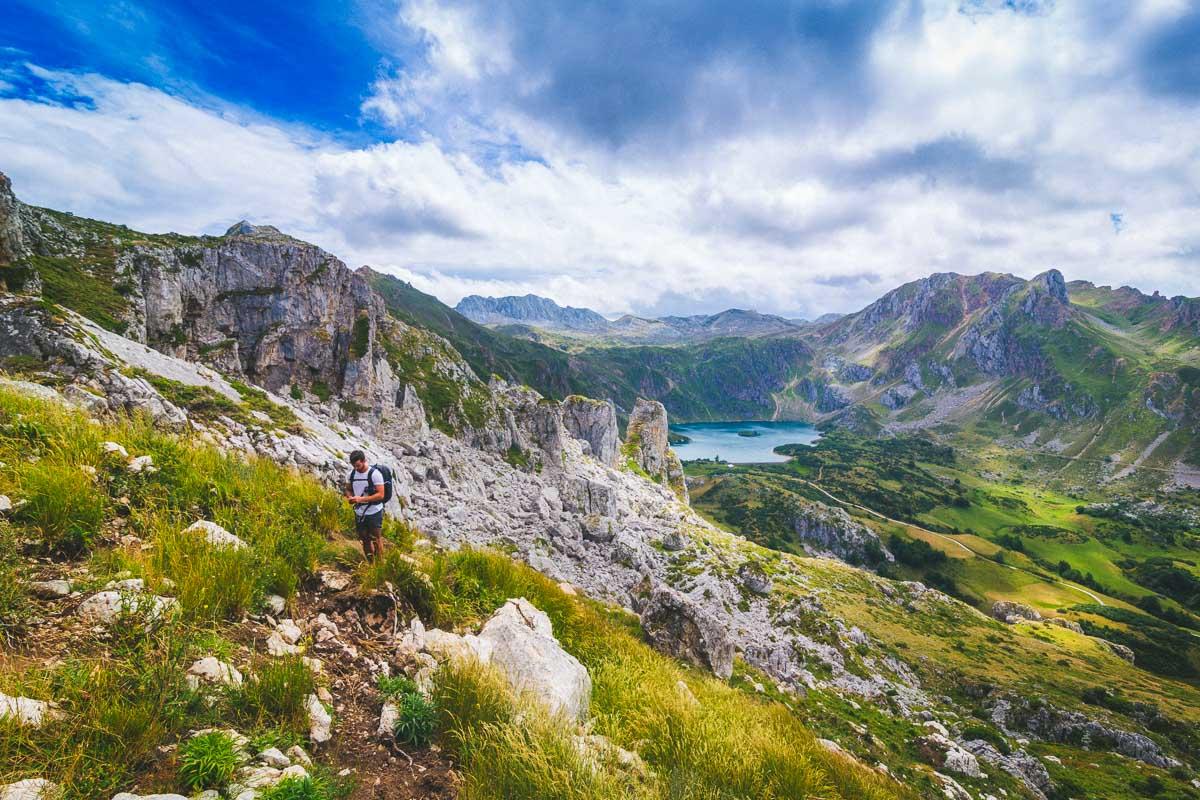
{"x": 647, "y": 444}
{"x": 826, "y": 530}
{"x": 537, "y": 425}
{"x": 595, "y": 422}
{"x": 1073, "y": 727}
{"x": 523, "y": 647}
{"x": 676, "y": 624}
{"x": 12, "y": 245}
{"x": 1010, "y": 612}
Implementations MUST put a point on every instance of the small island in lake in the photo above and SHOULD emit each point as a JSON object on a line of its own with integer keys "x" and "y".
{"x": 749, "y": 434}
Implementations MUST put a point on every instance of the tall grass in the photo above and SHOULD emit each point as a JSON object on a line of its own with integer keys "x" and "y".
{"x": 14, "y": 600}
{"x": 127, "y": 699}
{"x": 125, "y": 696}
{"x": 115, "y": 713}
{"x": 717, "y": 743}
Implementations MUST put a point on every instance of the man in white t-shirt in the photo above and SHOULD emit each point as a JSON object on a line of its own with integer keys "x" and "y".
{"x": 365, "y": 490}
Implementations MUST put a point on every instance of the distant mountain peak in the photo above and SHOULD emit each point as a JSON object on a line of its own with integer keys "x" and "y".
{"x": 530, "y": 310}
{"x": 244, "y": 228}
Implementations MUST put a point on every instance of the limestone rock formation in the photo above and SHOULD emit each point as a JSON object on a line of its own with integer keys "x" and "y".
{"x": 595, "y": 422}
{"x": 678, "y": 625}
{"x": 1010, "y": 612}
{"x": 648, "y": 447}
{"x": 522, "y": 645}
{"x": 828, "y": 530}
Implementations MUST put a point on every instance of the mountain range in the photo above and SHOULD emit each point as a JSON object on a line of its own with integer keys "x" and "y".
{"x": 977, "y": 578}
{"x": 533, "y": 311}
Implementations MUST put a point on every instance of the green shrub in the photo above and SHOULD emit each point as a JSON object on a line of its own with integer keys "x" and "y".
{"x": 418, "y": 717}
{"x": 207, "y": 761}
{"x": 62, "y": 506}
{"x": 409, "y": 583}
{"x": 395, "y": 685}
{"x": 417, "y": 720}
{"x": 275, "y": 694}
{"x": 309, "y": 788}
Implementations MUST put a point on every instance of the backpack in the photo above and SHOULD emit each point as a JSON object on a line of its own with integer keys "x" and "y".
{"x": 386, "y": 473}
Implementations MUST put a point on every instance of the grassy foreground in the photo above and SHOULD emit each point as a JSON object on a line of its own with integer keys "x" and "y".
{"x": 125, "y": 703}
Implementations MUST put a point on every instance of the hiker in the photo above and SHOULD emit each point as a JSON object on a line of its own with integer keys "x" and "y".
{"x": 366, "y": 491}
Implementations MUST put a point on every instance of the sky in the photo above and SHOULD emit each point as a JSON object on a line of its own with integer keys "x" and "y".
{"x": 652, "y": 156}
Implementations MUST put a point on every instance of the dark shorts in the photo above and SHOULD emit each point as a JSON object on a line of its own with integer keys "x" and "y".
{"x": 368, "y": 526}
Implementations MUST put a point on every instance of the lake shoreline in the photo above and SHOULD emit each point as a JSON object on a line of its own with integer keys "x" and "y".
{"x": 742, "y": 441}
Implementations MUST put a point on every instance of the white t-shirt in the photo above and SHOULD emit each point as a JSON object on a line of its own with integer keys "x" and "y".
{"x": 361, "y": 486}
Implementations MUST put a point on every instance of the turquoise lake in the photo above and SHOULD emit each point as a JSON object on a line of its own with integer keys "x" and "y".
{"x": 711, "y": 439}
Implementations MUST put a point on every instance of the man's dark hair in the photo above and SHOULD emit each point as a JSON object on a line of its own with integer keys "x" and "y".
{"x": 358, "y": 455}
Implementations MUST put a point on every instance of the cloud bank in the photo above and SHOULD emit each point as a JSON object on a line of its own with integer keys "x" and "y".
{"x": 800, "y": 158}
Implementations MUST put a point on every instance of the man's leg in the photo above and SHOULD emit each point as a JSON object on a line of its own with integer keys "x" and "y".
{"x": 378, "y": 542}
{"x": 364, "y": 538}
{"x": 377, "y": 536}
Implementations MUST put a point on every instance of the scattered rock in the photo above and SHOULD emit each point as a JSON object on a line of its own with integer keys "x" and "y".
{"x": 389, "y": 715}
{"x": 942, "y": 753}
{"x": 754, "y": 578}
{"x": 6, "y": 504}
{"x": 210, "y": 670}
{"x": 522, "y": 644}
{"x": 29, "y": 789}
{"x": 602, "y": 750}
{"x": 1010, "y": 612}
{"x": 320, "y": 723}
{"x": 215, "y": 535}
{"x": 141, "y": 464}
{"x": 298, "y": 755}
{"x": 952, "y": 789}
{"x": 1063, "y": 622}
{"x": 272, "y": 757}
{"x": 1018, "y": 763}
{"x": 131, "y": 796}
{"x": 332, "y": 580}
{"x": 50, "y": 590}
{"x": 282, "y": 641}
{"x": 1119, "y": 650}
{"x": 274, "y": 604}
{"x": 26, "y": 711}
{"x": 108, "y": 607}
{"x": 112, "y": 448}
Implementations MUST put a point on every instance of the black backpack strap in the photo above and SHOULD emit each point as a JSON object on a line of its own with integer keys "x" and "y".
{"x": 370, "y": 471}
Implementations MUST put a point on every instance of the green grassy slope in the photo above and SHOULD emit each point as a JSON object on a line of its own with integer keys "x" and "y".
{"x": 126, "y": 706}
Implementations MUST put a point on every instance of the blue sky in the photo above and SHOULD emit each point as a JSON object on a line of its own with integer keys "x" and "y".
{"x": 660, "y": 157}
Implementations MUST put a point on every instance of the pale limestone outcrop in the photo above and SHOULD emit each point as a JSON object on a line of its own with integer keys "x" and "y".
{"x": 647, "y": 445}
{"x": 595, "y": 422}
{"x": 523, "y": 647}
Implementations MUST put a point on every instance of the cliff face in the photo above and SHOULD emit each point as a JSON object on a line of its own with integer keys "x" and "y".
{"x": 11, "y": 246}
{"x": 648, "y": 448}
{"x": 256, "y": 303}
{"x": 595, "y": 422}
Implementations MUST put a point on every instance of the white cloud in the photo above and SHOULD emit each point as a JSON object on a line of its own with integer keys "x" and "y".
{"x": 806, "y": 219}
